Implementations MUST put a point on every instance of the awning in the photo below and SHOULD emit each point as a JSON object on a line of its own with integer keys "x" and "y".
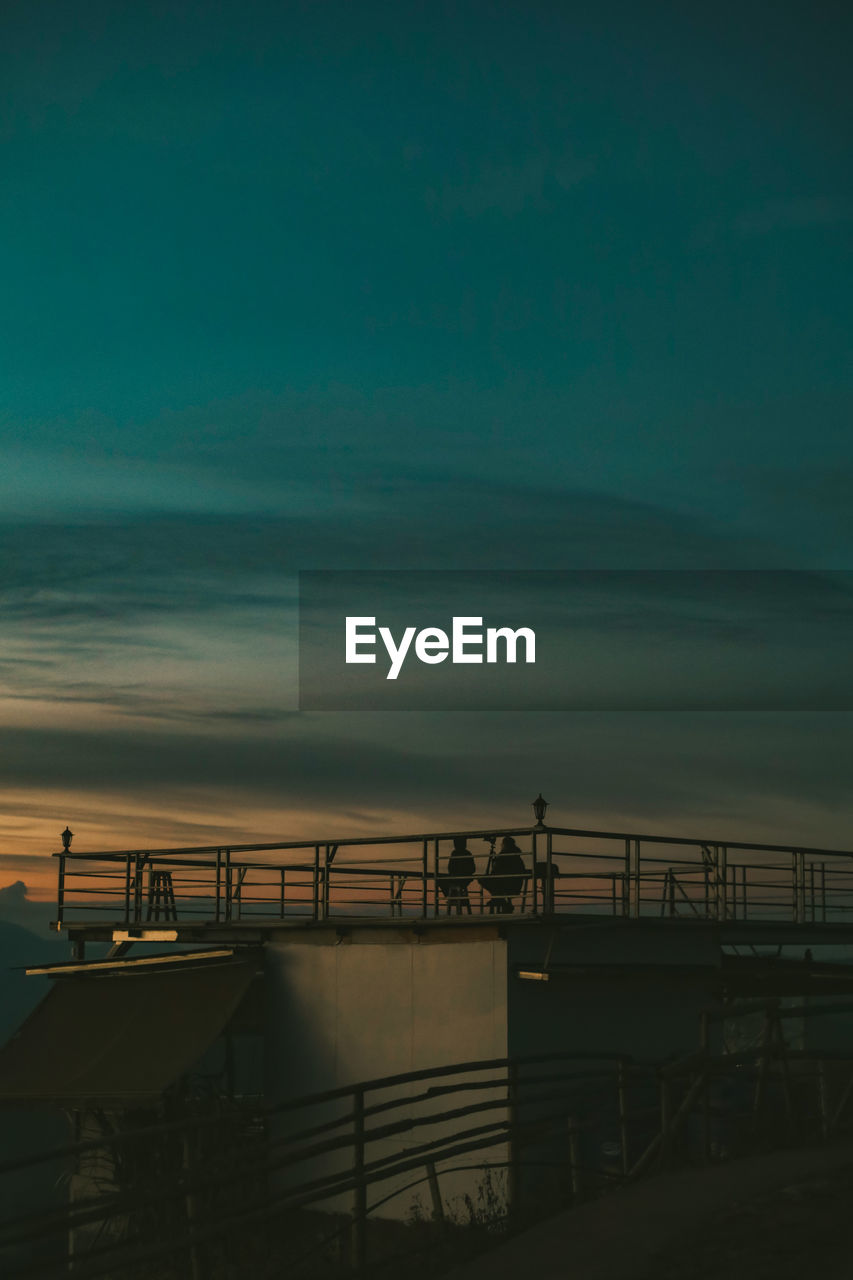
{"x": 120, "y": 1037}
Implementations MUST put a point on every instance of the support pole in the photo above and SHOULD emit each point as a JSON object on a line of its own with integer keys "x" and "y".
{"x": 435, "y": 1192}
{"x": 665, "y": 1120}
{"x": 623, "y": 1116}
{"x": 514, "y": 1170}
{"x": 575, "y": 1166}
{"x": 705, "y": 1046}
{"x": 359, "y": 1224}
{"x": 822, "y": 1099}
{"x": 192, "y": 1207}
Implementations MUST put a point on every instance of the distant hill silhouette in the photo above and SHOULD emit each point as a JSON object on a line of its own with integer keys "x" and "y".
{"x": 19, "y": 994}
{"x": 16, "y": 907}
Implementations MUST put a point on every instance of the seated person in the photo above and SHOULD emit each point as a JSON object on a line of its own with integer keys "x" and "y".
{"x": 505, "y": 878}
{"x": 460, "y": 872}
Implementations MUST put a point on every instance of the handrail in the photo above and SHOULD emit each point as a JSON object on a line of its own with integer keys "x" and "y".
{"x": 525, "y": 1115}
{"x": 395, "y": 877}
{"x": 478, "y": 833}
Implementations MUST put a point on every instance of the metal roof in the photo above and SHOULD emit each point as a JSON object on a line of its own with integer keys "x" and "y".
{"x": 121, "y": 1037}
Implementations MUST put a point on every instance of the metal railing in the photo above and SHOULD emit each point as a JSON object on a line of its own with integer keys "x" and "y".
{"x": 230, "y": 1193}
{"x": 561, "y": 870}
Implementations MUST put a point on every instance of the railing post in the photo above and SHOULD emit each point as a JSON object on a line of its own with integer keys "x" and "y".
{"x": 315, "y": 890}
{"x": 802, "y": 914}
{"x": 127, "y": 880}
{"x": 227, "y": 884}
{"x": 60, "y": 890}
{"x": 139, "y": 866}
{"x": 360, "y": 1193}
{"x": 549, "y": 907}
{"x": 534, "y": 893}
{"x": 218, "y": 909}
{"x": 425, "y": 875}
{"x": 798, "y": 873}
{"x": 282, "y": 894}
{"x": 435, "y": 1192}
{"x": 721, "y": 876}
{"x": 435, "y": 878}
{"x": 327, "y": 874}
{"x": 636, "y": 881}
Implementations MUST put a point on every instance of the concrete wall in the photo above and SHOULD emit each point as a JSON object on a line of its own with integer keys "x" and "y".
{"x": 344, "y": 1008}
{"x": 379, "y": 1002}
{"x": 367, "y": 1002}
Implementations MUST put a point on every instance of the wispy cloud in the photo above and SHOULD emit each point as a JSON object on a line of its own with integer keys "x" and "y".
{"x": 781, "y": 214}
{"x": 792, "y": 213}
{"x": 509, "y": 188}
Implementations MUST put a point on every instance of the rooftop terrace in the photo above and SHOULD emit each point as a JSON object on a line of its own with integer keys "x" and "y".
{"x": 562, "y": 872}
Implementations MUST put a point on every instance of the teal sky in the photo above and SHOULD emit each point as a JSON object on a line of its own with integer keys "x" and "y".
{"x": 327, "y": 285}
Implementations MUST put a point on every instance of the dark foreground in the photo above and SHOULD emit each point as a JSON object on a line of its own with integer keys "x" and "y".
{"x": 786, "y": 1216}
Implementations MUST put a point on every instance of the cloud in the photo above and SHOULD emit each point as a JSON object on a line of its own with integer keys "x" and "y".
{"x": 511, "y": 188}
{"x": 145, "y": 662}
{"x": 783, "y": 775}
{"x": 790, "y": 213}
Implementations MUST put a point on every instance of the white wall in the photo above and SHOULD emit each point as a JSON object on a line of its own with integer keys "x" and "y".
{"x": 379, "y": 1002}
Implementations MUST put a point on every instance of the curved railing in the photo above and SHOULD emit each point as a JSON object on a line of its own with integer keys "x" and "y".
{"x": 237, "y": 1189}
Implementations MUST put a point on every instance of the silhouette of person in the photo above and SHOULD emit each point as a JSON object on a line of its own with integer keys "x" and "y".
{"x": 460, "y": 872}
{"x": 505, "y": 877}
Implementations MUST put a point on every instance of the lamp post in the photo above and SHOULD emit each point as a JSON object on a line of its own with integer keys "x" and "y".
{"x": 539, "y": 807}
{"x": 78, "y": 947}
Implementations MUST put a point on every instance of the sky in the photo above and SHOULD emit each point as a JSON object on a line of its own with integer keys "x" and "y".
{"x": 459, "y": 285}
